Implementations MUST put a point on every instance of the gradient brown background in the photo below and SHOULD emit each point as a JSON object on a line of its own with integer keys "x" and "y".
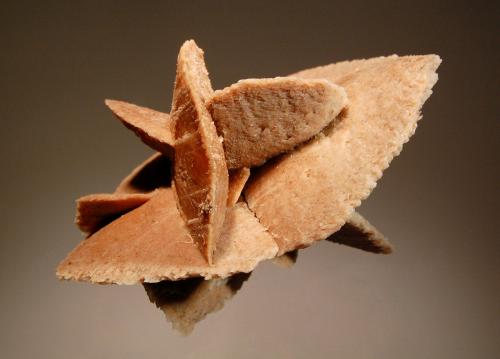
{"x": 437, "y": 296}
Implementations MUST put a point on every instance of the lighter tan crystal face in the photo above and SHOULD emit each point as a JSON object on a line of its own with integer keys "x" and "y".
{"x": 152, "y": 127}
{"x": 261, "y": 118}
{"x": 322, "y": 182}
{"x": 96, "y": 210}
{"x": 152, "y": 243}
{"x": 200, "y": 171}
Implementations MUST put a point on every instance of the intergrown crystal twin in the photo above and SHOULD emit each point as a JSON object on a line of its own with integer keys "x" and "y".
{"x": 316, "y": 143}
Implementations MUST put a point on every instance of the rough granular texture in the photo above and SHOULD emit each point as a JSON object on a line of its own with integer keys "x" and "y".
{"x": 97, "y": 210}
{"x": 261, "y": 118}
{"x": 296, "y": 199}
{"x": 152, "y": 243}
{"x": 310, "y": 193}
{"x": 151, "y": 126}
{"x": 200, "y": 171}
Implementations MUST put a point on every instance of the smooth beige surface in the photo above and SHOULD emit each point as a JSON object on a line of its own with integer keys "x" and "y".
{"x": 309, "y": 193}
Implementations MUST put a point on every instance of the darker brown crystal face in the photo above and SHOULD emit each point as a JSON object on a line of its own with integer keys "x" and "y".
{"x": 200, "y": 172}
